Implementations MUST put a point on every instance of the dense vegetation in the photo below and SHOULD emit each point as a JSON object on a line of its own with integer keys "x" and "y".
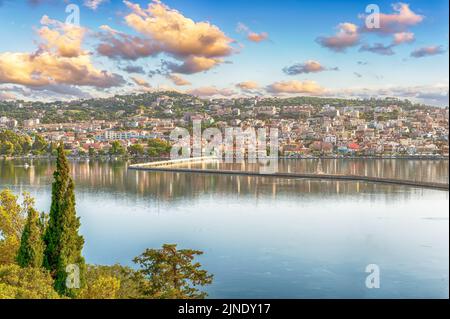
{"x": 337, "y": 102}
{"x": 121, "y": 107}
{"x": 63, "y": 244}
{"x": 39, "y": 252}
{"x": 113, "y": 108}
{"x": 16, "y": 144}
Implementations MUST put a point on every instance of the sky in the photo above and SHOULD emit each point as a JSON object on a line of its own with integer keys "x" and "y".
{"x": 61, "y": 49}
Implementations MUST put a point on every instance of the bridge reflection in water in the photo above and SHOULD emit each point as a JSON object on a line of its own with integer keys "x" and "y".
{"x": 174, "y": 166}
{"x": 114, "y": 177}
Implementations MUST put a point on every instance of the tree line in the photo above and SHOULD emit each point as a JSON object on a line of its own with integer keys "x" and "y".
{"x": 41, "y": 255}
{"x": 14, "y": 144}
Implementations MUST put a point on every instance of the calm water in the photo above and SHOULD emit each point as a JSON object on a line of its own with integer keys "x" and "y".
{"x": 264, "y": 237}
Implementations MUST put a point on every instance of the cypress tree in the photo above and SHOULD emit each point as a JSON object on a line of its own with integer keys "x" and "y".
{"x": 31, "y": 250}
{"x": 63, "y": 243}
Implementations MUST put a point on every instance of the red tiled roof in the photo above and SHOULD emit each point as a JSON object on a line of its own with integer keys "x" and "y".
{"x": 353, "y": 146}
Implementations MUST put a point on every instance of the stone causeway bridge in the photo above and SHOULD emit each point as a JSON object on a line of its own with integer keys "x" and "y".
{"x": 176, "y": 166}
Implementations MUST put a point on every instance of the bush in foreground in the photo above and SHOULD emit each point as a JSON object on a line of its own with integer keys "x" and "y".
{"x": 25, "y": 283}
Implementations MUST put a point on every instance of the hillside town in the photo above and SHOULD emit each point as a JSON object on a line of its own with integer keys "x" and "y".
{"x": 322, "y": 127}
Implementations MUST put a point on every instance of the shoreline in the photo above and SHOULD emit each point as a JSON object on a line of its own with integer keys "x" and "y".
{"x": 109, "y": 157}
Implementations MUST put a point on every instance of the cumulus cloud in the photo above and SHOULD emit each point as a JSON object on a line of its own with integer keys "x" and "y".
{"x": 59, "y": 60}
{"x": 257, "y": 37}
{"x": 63, "y": 90}
{"x": 141, "y": 82}
{"x": 293, "y": 87}
{"x": 247, "y": 85}
{"x": 428, "y": 51}
{"x": 403, "y": 37}
{"x": 6, "y": 96}
{"x": 211, "y": 91}
{"x": 310, "y": 66}
{"x": 31, "y": 2}
{"x": 61, "y": 38}
{"x": 436, "y": 94}
{"x": 93, "y": 4}
{"x": 378, "y": 48}
{"x": 152, "y": 73}
{"x": 178, "y": 80}
{"x": 347, "y": 36}
{"x": 133, "y": 69}
{"x": 251, "y": 35}
{"x": 38, "y": 2}
{"x": 177, "y": 34}
{"x": 434, "y": 98}
{"x": 430, "y": 94}
{"x": 119, "y": 45}
{"x": 198, "y": 46}
{"x": 396, "y": 22}
{"x": 191, "y": 65}
{"x": 47, "y": 68}
{"x": 52, "y": 91}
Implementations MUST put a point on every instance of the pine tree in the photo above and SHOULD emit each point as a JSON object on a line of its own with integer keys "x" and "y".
{"x": 63, "y": 243}
{"x": 172, "y": 273}
{"x": 31, "y": 250}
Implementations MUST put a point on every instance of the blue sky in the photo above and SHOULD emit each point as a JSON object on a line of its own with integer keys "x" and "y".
{"x": 246, "y": 61}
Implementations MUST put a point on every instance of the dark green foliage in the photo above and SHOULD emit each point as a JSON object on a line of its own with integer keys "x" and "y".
{"x": 14, "y": 144}
{"x": 136, "y": 149}
{"x": 31, "y": 250}
{"x": 123, "y": 106}
{"x": 40, "y": 145}
{"x": 172, "y": 274}
{"x": 92, "y": 152}
{"x": 158, "y": 147}
{"x": 63, "y": 243}
{"x": 117, "y": 149}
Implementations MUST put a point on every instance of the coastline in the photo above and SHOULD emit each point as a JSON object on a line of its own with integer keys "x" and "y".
{"x": 127, "y": 157}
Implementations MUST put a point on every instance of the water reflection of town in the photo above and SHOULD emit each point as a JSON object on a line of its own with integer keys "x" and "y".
{"x": 114, "y": 177}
